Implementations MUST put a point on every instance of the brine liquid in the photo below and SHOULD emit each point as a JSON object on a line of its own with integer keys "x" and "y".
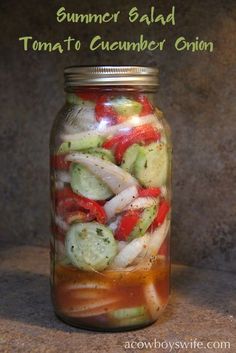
{"x": 88, "y": 299}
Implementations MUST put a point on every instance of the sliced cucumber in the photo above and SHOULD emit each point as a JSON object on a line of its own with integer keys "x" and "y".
{"x": 73, "y": 99}
{"x": 90, "y": 246}
{"x": 87, "y": 184}
{"x": 130, "y": 316}
{"x": 126, "y": 107}
{"x": 82, "y": 144}
{"x": 134, "y": 321}
{"x": 130, "y": 157}
{"x": 151, "y": 166}
{"x": 128, "y": 312}
{"x": 145, "y": 221}
{"x": 102, "y": 153}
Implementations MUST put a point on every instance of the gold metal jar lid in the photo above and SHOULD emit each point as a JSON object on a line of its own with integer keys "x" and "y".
{"x": 142, "y": 76}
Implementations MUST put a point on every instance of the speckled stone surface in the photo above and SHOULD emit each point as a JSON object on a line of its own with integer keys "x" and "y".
{"x": 197, "y": 93}
{"x": 202, "y": 307}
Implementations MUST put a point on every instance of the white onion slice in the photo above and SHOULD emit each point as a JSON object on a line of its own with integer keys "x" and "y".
{"x": 164, "y": 191}
{"x": 94, "y": 304}
{"x": 128, "y": 254}
{"x": 59, "y": 184}
{"x": 89, "y": 293}
{"x": 113, "y": 225}
{"x": 118, "y": 203}
{"x": 98, "y": 310}
{"x": 121, "y": 245}
{"x": 152, "y": 299}
{"x": 106, "y": 131}
{"x": 63, "y": 176}
{"x": 88, "y": 285}
{"x": 116, "y": 178}
{"x": 157, "y": 238}
{"x": 143, "y": 202}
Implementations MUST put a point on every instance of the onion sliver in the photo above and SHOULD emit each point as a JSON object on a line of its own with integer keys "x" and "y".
{"x": 100, "y": 310}
{"x": 164, "y": 191}
{"x": 91, "y": 304}
{"x": 106, "y": 131}
{"x": 128, "y": 254}
{"x": 59, "y": 185}
{"x": 152, "y": 299}
{"x": 121, "y": 245}
{"x": 63, "y": 177}
{"x": 116, "y": 178}
{"x": 114, "y": 224}
{"x": 157, "y": 238}
{"x": 120, "y": 201}
{"x": 143, "y": 202}
{"x": 88, "y": 285}
{"x": 89, "y": 294}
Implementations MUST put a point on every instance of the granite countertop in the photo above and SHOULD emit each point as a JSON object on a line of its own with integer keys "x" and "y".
{"x": 202, "y": 306}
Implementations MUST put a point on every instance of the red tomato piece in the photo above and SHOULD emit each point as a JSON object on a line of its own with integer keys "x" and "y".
{"x": 104, "y": 110}
{"x": 127, "y": 224}
{"x": 147, "y": 107}
{"x": 110, "y": 143}
{"x": 88, "y": 95}
{"x": 59, "y": 162}
{"x": 142, "y": 134}
{"x": 79, "y": 216}
{"x": 64, "y": 193}
{"x": 161, "y": 214}
{"x": 149, "y": 192}
{"x": 68, "y": 202}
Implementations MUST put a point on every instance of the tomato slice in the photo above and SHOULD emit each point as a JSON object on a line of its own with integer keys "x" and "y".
{"x": 149, "y": 192}
{"x": 142, "y": 134}
{"x": 127, "y": 224}
{"x": 105, "y": 111}
{"x": 59, "y": 162}
{"x": 147, "y": 107}
{"x": 79, "y": 216}
{"x": 110, "y": 143}
{"x": 68, "y": 203}
{"x": 89, "y": 95}
{"x": 161, "y": 214}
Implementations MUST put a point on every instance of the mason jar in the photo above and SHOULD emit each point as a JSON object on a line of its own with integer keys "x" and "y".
{"x": 110, "y": 200}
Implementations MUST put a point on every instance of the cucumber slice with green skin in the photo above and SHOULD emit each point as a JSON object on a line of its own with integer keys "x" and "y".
{"x": 151, "y": 166}
{"x": 102, "y": 153}
{"x": 130, "y": 157}
{"x": 134, "y": 321}
{"x": 82, "y": 144}
{"x": 90, "y": 246}
{"x": 128, "y": 313}
{"x": 73, "y": 99}
{"x": 126, "y": 107}
{"x": 146, "y": 219}
{"x": 85, "y": 183}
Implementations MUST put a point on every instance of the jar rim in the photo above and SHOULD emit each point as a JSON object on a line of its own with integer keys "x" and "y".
{"x": 112, "y": 75}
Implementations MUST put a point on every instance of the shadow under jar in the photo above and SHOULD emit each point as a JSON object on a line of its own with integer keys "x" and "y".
{"x": 110, "y": 200}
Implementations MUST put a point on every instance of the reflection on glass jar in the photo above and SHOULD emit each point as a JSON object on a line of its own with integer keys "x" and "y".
{"x": 111, "y": 200}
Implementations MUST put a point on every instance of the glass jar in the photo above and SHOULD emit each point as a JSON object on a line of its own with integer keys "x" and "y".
{"x": 110, "y": 200}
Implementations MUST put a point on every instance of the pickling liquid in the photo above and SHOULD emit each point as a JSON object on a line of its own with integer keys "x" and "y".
{"x": 89, "y": 299}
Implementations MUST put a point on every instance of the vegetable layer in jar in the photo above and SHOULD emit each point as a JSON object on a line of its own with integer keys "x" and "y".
{"x": 110, "y": 211}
